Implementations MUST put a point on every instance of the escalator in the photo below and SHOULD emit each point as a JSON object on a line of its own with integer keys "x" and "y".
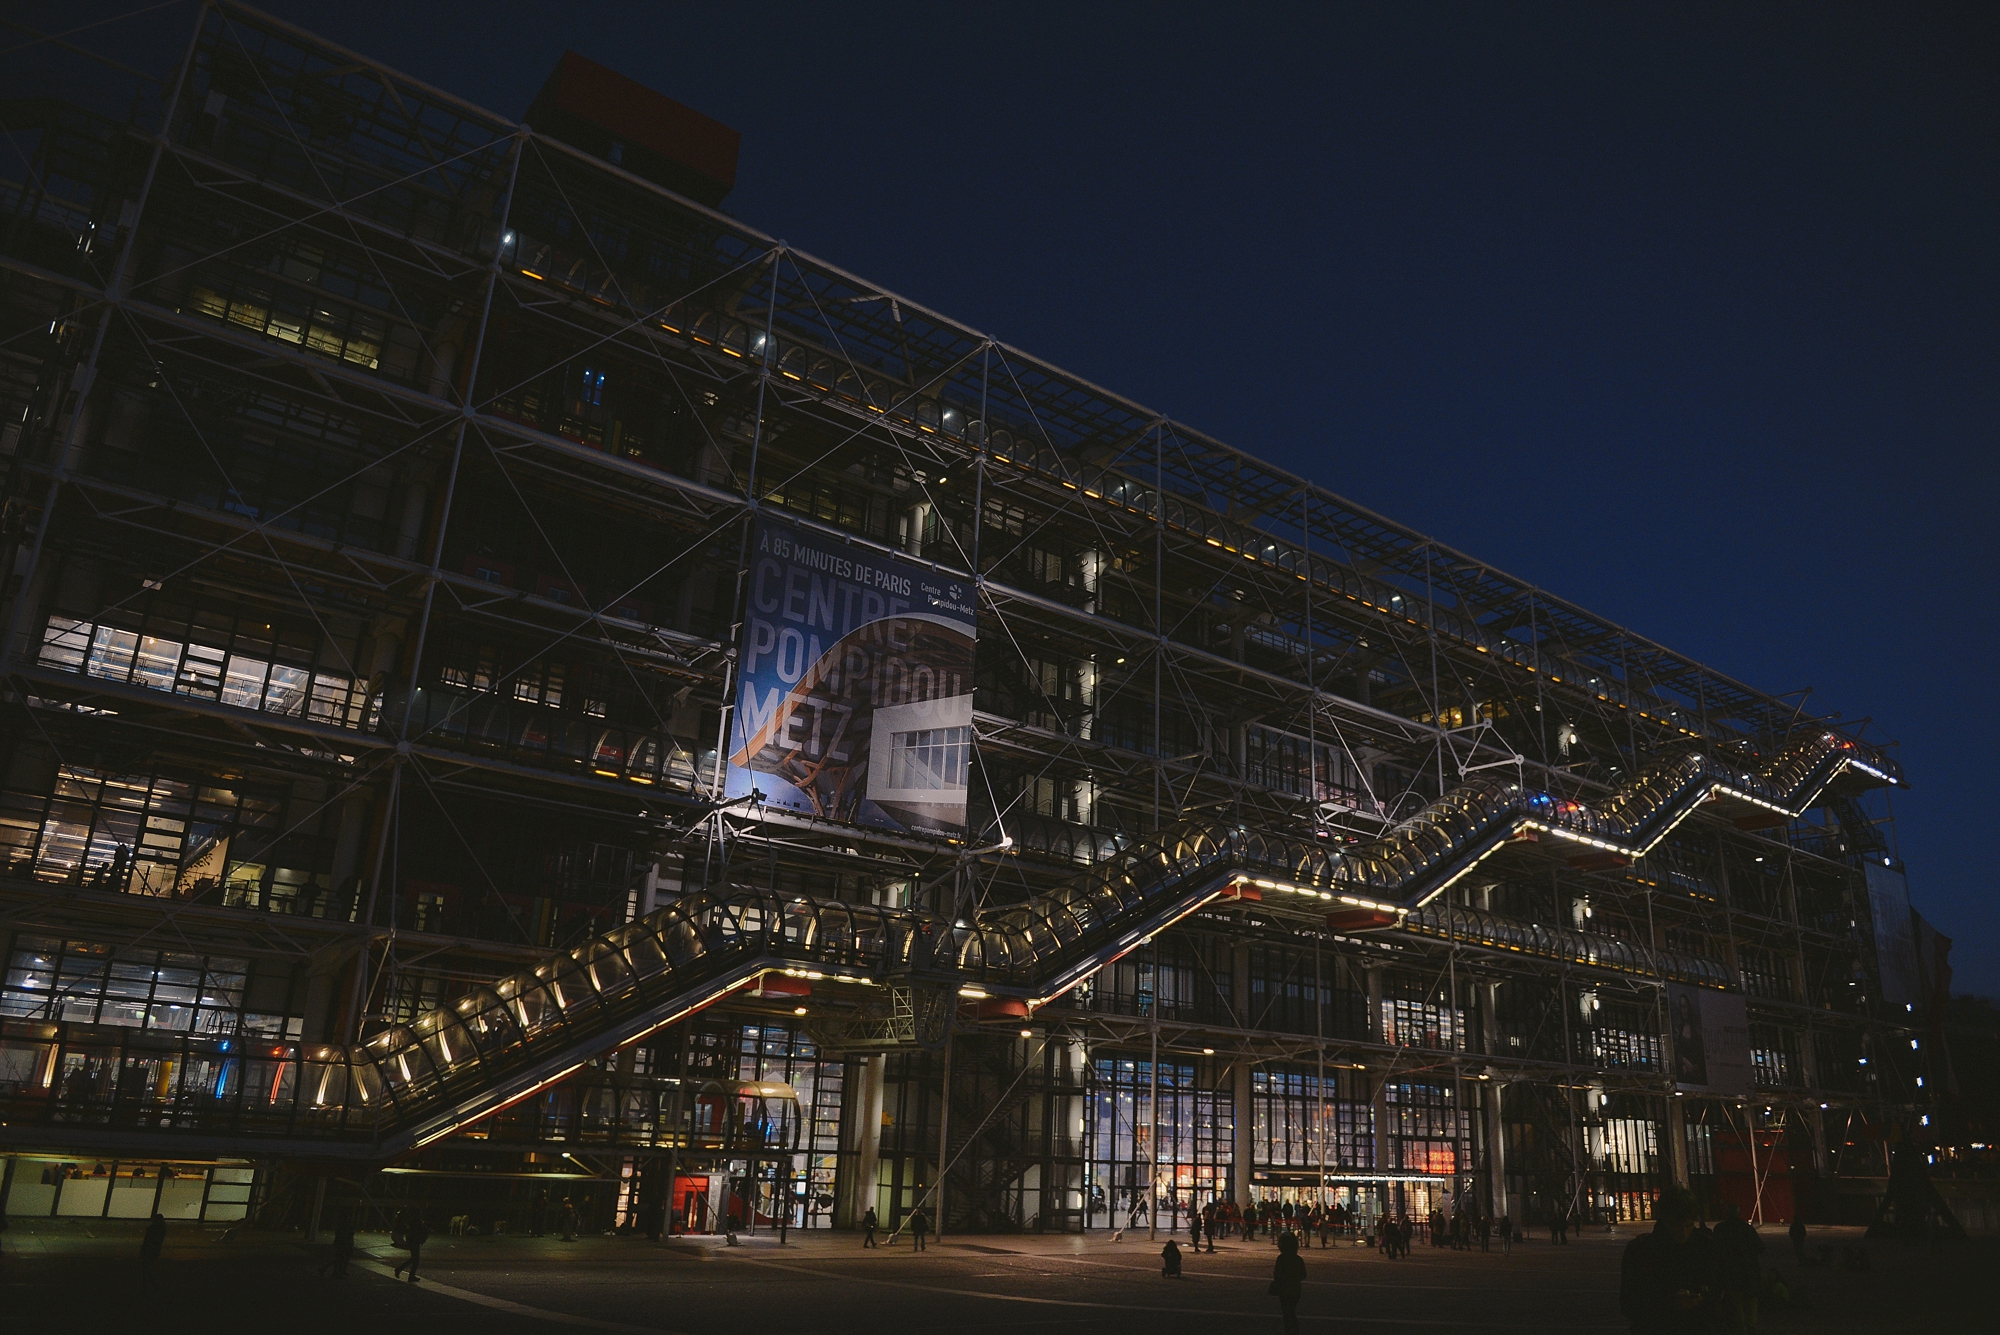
{"x": 408, "y": 1086}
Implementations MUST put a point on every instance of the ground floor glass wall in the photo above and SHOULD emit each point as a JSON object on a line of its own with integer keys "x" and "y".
{"x": 1186, "y": 1156}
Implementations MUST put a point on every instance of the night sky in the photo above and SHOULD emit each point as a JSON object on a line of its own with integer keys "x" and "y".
{"x": 1684, "y": 313}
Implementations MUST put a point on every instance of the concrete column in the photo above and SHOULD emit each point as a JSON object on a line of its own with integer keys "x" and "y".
{"x": 1496, "y": 1121}
{"x": 1677, "y": 1141}
{"x": 1376, "y": 1034}
{"x": 1245, "y": 1148}
{"x": 856, "y": 1195}
{"x": 1380, "y": 1098}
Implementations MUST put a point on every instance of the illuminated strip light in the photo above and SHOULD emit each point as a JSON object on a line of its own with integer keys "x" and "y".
{"x": 1263, "y": 884}
{"x": 1130, "y": 942}
{"x": 1623, "y": 850}
{"x": 1463, "y": 872}
{"x": 1332, "y": 1176}
{"x": 564, "y": 1074}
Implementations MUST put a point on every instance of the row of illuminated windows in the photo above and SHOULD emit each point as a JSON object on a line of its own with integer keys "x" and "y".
{"x": 159, "y": 835}
{"x": 1298, "y": 1121}
{"x": 111, "y": 1189}
{"x": 1620, "y": 1048}
{"x": 1140, "y": 986}
{"x": 1428, "y": 1128}
{"x": 1774, "y": 1058}
{"x": 1766, "y": 973}
{"x": 1623, "y": 1144}
{"x": 215, "y": 671}
{"x": 1422, "y": 1024}
{"x": 1193, "y": 1128}
{"x": 51, "y": 978}
{"x": 1320, "y": 771}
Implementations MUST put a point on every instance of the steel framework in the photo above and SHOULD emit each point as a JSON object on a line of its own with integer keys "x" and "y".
{"x": 379, "y": 474}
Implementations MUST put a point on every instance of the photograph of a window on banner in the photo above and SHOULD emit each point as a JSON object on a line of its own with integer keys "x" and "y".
{"x": 854, "y": 699}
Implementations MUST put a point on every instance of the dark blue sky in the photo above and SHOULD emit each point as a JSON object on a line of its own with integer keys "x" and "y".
{"x": 1689, "y": 314}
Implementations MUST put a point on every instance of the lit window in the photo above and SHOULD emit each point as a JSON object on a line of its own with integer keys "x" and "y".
{"x": 931, "y": 758}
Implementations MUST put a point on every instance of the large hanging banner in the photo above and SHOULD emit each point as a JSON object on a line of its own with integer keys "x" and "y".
{"x": 854, "y": 698}
{"x": 1895, "y": 937}
{"x": 1711, "y": 1039}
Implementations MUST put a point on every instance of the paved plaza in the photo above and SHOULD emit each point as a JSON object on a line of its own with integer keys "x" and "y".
{"x": 64, "y": 1275}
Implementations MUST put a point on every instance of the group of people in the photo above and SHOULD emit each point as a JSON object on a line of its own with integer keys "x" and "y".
{"x": 565, "y": 1216}
{"x": 1273, "y": 1219}
{"x": 1462, "y": 1230}
{"x": 1684, "y": 1277}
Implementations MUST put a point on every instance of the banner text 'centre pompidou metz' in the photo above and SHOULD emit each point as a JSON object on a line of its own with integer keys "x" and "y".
{"x": 855, "y": 699}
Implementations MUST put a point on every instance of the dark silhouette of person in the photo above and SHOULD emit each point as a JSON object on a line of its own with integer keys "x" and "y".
{"x": 1738, "y": 1269}
{"x": 343, "y": 1245}
{"x": 920, "y": 1227}
{"x": 567, "y": 1214}
{"x": 1288, "y": 1277}
{"x": 1170, "y": 1260}
{"x": 150, "y": 1244}
{"x": 868, "y": 1227}
{"x": 410, "y": 1234}
{"x": 538, "y": 1213}
{"x": 1797, "y": 1233}
{"x": 1663, "y": 1280}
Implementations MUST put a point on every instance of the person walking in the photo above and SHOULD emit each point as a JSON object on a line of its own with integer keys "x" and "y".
{"x": 1288, "y": 1277}
{"x": 150, "y": 1244}
{"x": 566, "y": 1215}
{"x": 1738, "y": 1270}
{"x": 1663, "y": 1284}
{"x": 868, "y": 1226}
{"x": 920, "y": 1227}
{"x": 410, "y": 1234}
{"x": 343, "y": 1246}
{"x": 1797, "y": 1233}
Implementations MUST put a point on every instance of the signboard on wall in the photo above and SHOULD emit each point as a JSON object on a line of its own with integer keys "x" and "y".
{"x": 1895, "y": 938}
{"x": 1711, "y": 1039}
{"x": 854, "y": 696}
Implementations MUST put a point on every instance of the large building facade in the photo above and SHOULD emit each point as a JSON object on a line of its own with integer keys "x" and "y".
{"x": 450, "y": 578}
